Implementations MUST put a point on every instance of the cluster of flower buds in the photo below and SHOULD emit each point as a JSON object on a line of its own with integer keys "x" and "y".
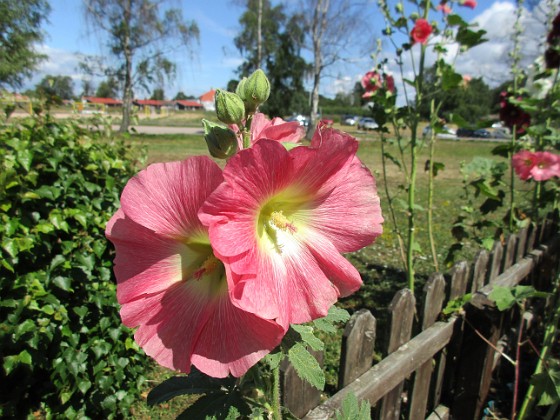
{"x": 234, "y": 109}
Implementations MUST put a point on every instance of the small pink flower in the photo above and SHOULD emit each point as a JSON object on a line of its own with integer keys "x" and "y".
{"x": 444, "y": 7}
{"x": 547, "y": 166}
{"x": 275, "y": 129}
{"x": 170, "y": 282}
{"x": 469, "y": 3}
{"x": 373, "y": 81}
{"x": 523, "y": 162}
{"x": 282, "y": 219}
{"x": 421, "y": 31}
{"x": 541, "y": 166}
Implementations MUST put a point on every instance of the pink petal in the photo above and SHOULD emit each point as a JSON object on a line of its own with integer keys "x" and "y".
{"x": 178, "y": 328}
{"x": 165, "y": 197}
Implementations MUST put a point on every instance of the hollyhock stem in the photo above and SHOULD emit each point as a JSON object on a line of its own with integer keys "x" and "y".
{"x": 276, "y": 405}
{"x": 247, "y": 132}
{"x": 431, "y": 189}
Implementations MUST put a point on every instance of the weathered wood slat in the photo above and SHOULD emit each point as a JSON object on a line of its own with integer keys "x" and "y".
{"x": 510, "y": 251}
{"x": 480, "y": 267}
{"x": 358, "y": 345}
{"x": 402, "y": 308}
{"x": 433, "y": 303}
{"x": 440, "y": 413}
{"x": 392, "y": 370}
{"x": 521, "y": 243}
{"x": 459, "y": 280}
{"x": 495, "y": 261}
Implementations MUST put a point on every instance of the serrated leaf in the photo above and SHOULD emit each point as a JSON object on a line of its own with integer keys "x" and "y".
{"x": 352, "y": 410}
{"x": 503, "y": 297}
{"x": 274, "y": 359}
{"x": 307, "y": 366}
{"x": 306, "y": 333}
{"x": 194, "y": 383}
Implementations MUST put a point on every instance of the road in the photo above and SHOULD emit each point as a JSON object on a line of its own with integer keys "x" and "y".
{"x": 152, "y": 129}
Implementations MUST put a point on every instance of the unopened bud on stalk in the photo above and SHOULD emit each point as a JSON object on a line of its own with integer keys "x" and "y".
{"x": 254, "y": 90}
{"x": 229, "y": 107}
{"x": 221, "y": 141}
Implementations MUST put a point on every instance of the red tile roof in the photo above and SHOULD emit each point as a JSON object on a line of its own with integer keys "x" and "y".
{"x": 150, "y": 102}
{"x": 192, "y": 104}
{"x": 103, "y": 101}
{"x": 208, "y": 96}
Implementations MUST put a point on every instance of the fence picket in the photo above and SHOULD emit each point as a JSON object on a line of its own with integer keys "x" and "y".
{"x": 521, "y": 243}
{"x": 480, "y": 267}
{"x": 358, "y": 345}
{"x": 433, "y": 303}
{"x": 510, "y": 251}
{"x": 402, "y": 310}
{"x": 459, "y": 280}
{"x": 496, "y": 261}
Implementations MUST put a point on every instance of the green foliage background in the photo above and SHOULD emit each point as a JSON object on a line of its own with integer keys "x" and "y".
{"x": 64, "y": 350}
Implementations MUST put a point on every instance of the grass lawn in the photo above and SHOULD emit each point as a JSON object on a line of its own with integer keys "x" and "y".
{"x": 379, "y": 264}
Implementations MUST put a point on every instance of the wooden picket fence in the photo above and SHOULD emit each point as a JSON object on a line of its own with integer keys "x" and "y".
{"x": 443, "y": 371}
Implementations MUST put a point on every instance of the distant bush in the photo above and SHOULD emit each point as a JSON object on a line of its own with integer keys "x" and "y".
{"x": 64, "y": 350}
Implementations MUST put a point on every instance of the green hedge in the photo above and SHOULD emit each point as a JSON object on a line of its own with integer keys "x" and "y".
{"x": 63, "y": 348}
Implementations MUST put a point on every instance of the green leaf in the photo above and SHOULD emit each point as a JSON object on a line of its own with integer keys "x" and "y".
{"x": 503, "y": 297}
{"x": 215, "y": 406}
{"x": 469, "y": 38}
{"x": 308, "y": 337}
{"x": 351, "y": 410}
{"x": 63, "y": 283}
{"x": 25, "y": 157}
{"x": 195, "y": 383}
{"x": 307, "y": 366}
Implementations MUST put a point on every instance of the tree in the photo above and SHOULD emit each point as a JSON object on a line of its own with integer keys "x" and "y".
{"x": 332, "y": 28}
{"x": 20, "y": 30}
{"x": 139, "y": 36}
{"x": 56, "y": 88}
{"x": 271, "y": 40}
{"x": 108, "y": 88}
{"x": 181, "y": 96}
{"x": 158, "y": 94}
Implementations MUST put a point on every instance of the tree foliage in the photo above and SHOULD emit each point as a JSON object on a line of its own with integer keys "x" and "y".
{"x": 108, "y": 88}
{"x": 139, "y": 36}
{"x": 278, "y": 51}
{"x": 20, "y": 30}
{"x": 55, "y": 88}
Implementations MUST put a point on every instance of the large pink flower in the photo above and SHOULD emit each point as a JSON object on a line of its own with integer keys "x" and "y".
{"x": 444, "y": 7}
{"x": 540, "y": 166}
{"x": 421, "y": 31}
{"x": 170, "y": 283}
{"x": 283, "y": 218}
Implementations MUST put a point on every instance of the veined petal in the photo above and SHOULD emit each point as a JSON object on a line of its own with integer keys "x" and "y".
{"x": 165, "y": 197}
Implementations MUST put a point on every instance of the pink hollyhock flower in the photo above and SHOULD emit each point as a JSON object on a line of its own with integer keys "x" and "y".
{"x": 421, "y": 31}
{"x": 444, "y": 7}
{"x": 547, "y": 165}
{"x": 523, "y": 162}
{"x": 275, "y": 129}
{"x": 541, "y": 166}
{"x": 283, "y": 218}
{"x": 373, "y": 81}
{"x": 469, "y": 3}
{"x": 172, "y": 285}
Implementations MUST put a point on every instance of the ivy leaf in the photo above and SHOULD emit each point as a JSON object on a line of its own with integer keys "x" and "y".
{"x": 503, "y": 298}
{"x": 63, "y": 283}
{"x": 307, "y": 366}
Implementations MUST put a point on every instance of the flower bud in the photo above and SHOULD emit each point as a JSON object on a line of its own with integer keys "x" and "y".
{"x": 221, "y": 141}
{"x": 229, "y": 107}
{"x": 254, "y": 91}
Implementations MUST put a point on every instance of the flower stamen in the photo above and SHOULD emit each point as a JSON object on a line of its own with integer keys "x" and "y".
{"x": 209, "y": 265}
{"x": 279, "y": 221}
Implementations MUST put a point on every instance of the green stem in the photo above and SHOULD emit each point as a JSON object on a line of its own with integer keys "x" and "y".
{"x": 276, "y": 405}
{"x": 431, "y": 190}
{"x": 549, "y": 339}
{"x": 247, "y": 132}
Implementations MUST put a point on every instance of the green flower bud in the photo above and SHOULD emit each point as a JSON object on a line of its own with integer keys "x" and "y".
{"x": 229, "y": 107}
{"x": 221, "y": 141}
{"x": 254, "y": 91}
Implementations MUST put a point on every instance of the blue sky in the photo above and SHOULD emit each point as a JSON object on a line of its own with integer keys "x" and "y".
{"x": 216, "y": 58}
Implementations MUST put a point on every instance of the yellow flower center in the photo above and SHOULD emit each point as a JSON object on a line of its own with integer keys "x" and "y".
{"x": 279, "y": 221}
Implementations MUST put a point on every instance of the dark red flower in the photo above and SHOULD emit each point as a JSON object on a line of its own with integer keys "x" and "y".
{"x": 512, "y": 115}
{"x": 552, "y": 55}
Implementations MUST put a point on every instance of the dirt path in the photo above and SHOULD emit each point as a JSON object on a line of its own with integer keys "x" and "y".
{"x": 152, "y": 129}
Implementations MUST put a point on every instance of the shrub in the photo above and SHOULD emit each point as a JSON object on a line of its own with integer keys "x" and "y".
{"x": 63, "y": 348}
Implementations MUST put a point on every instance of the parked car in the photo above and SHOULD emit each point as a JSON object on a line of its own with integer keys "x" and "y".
{"x": 501, "y": 133}
{"x": 482, "y": 134}
{"x": 465, "y": 132}
{"x": 479, "y": 133}
{"x": 349, "y": 119}
{"x": 446, "y": 133}
{"x": 367, "y": 124}
{"x": 303, "y": 120}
